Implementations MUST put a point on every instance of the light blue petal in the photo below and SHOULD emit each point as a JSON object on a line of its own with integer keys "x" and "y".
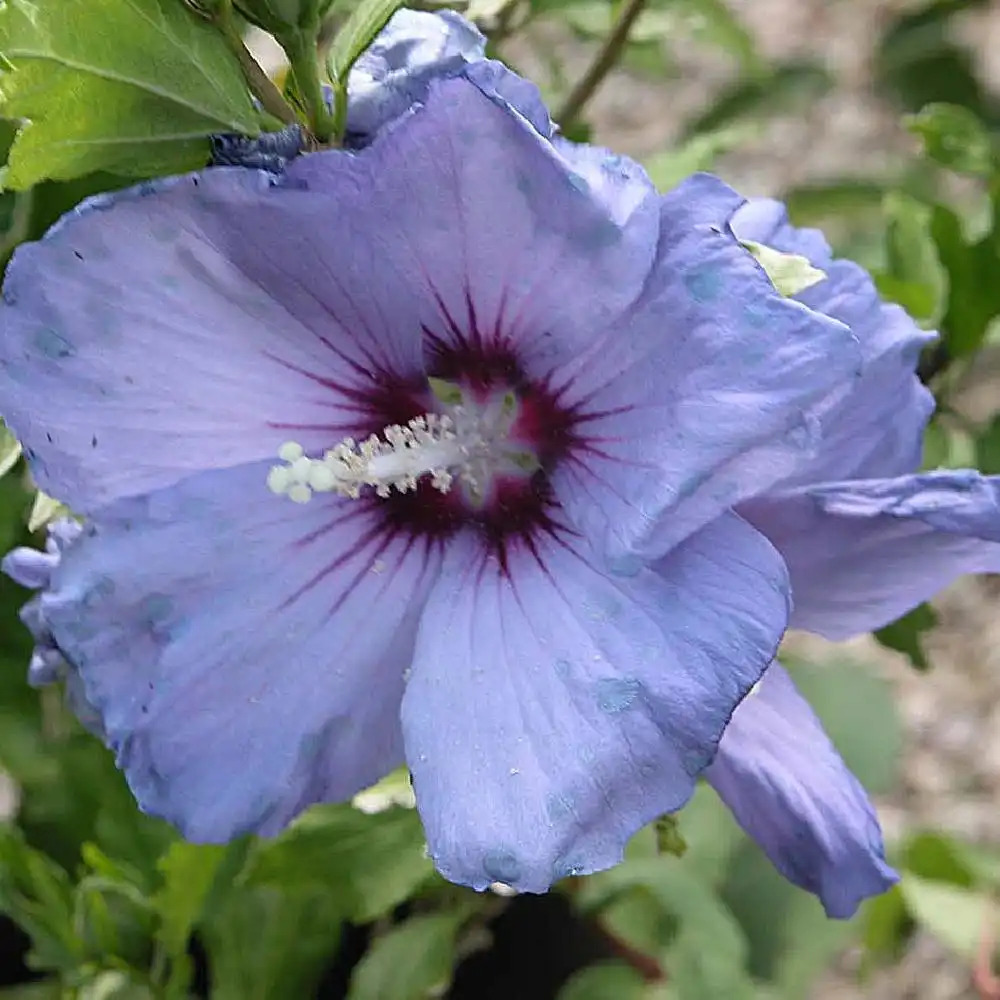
{"x": 862, "y": 553}
{"x": 246, "y": 655}
{"x": 514, "y": 92}
{"x": 789, "y": 789}
{"x": 618, "y": 181}
{"x": 31, "y": 568}
{"x": 512, "y": 256}
{"x": 875, "y": 426}
{"x": 395, "y": 71}
{"x": 707, "y": 391}
{"x": 766, "y": 221}
{"x": 415, "y": 48}
{"x": 196, "y": 322}
{"x": 552, "y": 710}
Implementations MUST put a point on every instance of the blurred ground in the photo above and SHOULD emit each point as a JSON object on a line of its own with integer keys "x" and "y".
{"x": 950, "y": 775}
{"x": 846, "y": 132}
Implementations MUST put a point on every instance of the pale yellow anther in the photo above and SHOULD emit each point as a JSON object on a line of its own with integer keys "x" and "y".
{"x": 440, "y": 447}
{"x": 279, "y": 479}
{"x": 321, "y": 478}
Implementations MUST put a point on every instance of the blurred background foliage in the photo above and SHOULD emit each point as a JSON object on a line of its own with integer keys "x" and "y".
{"x": 102, "y": 903}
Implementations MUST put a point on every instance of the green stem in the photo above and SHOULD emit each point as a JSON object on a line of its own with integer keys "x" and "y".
{"x": 603, "y": 62}
{"x": 259, "y": 82}
{"x": 340, "y": 109}
{"x": 20, "y": 224}
{"x": 302, "y": 58}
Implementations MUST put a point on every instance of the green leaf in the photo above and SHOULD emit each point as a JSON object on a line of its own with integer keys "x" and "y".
{"x": 638, "y": 919}
{"x": 669, "y": 839}
{"x": 371, "y": 862}
{"x": 366, "y": 20}
{"x": 796, "y": 940}
{"x": 859, "y": 714}
{"x": 947, "y": 445}
{"x": 714, "y": 22}
{"x": 16, "y": 207}
{"x": 47, "y": 989}
{"x": 973, "y": 291}
{"x": 270, "y": 942}
{"x": 905, "y": 634}
{"x": 953, "y": 914}
{"x": 793, "y": 85}
{"x": 603, "y": 981}
{"x": 668, "y": 168}
{"x": 955, "y": 138}
{"x": 886, "y": 927}
{"x": 114, "y": 985}
{"x": 283, "y": 16}
{"x": 711, "y": 834}
{"x": 412, "y": 961}
{"x": 811, "y": 939}
{"x": 135, "y": 86}
{"x": 917, "y": 60}
{"x": 789, "y": 272}
{"x": 113, "y": 920}
{"x": 10, "y": 450}
{"x": 988, "y": 449}
{"x": 45, "y": 509}
{"x": 938, "y": 857}
{"x": 812, "y": 203}
{"x": 188, "y": 871}
{"x": 695, "y": 971}
{"x": 37, "y": 894}
{"x": 914, "y": 277}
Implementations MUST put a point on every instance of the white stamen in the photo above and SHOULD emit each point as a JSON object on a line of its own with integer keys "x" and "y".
{"x": 443, "y": 447}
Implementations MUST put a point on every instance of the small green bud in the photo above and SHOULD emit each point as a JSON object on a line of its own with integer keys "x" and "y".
{"x": 669, "y": 839}
{"x": 445, "y": 392}
{"x": 283, "y": 16}
{"x": 789, "y": 273}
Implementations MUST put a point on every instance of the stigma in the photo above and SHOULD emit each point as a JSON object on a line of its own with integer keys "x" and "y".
{"x": 468, "y": 444}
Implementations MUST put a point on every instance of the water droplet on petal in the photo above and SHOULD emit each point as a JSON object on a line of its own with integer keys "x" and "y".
{"x": 616, "y": 694}
{"x": 502, "y": 865}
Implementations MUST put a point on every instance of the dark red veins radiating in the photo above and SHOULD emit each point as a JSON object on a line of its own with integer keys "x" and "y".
{"x": 518, "y": 509}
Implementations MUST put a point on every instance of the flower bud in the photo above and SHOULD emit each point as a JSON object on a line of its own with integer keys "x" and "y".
{"x": 283, "y": 16}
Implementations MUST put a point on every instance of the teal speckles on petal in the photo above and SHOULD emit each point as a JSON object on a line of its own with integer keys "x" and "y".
{"x": 755, "y": 316}
{"x": 599, "y": 235}
{"x": 567, "y": 867}
{"x": 104, "y": 318}
{"x": 53, "y": 344}
{"x": 626, "y": 566}
{"x": 578, "y": 182}
{"x": 605, "y": 608}
{"x": 690, "y": 486}
{"x": 704, "y": 284}
{"x": 100, "y": 590}
{"x": 502, "y": 865}
{"x": 804, "y": 433}
{"x": 157, "y": 609}
{"x": 165, "y": 232}
{"x": 616, "y": 694}
{"x": 74, "y": 632}
{"x": 16, "y": 371}
{"x": 558, "y": 807}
